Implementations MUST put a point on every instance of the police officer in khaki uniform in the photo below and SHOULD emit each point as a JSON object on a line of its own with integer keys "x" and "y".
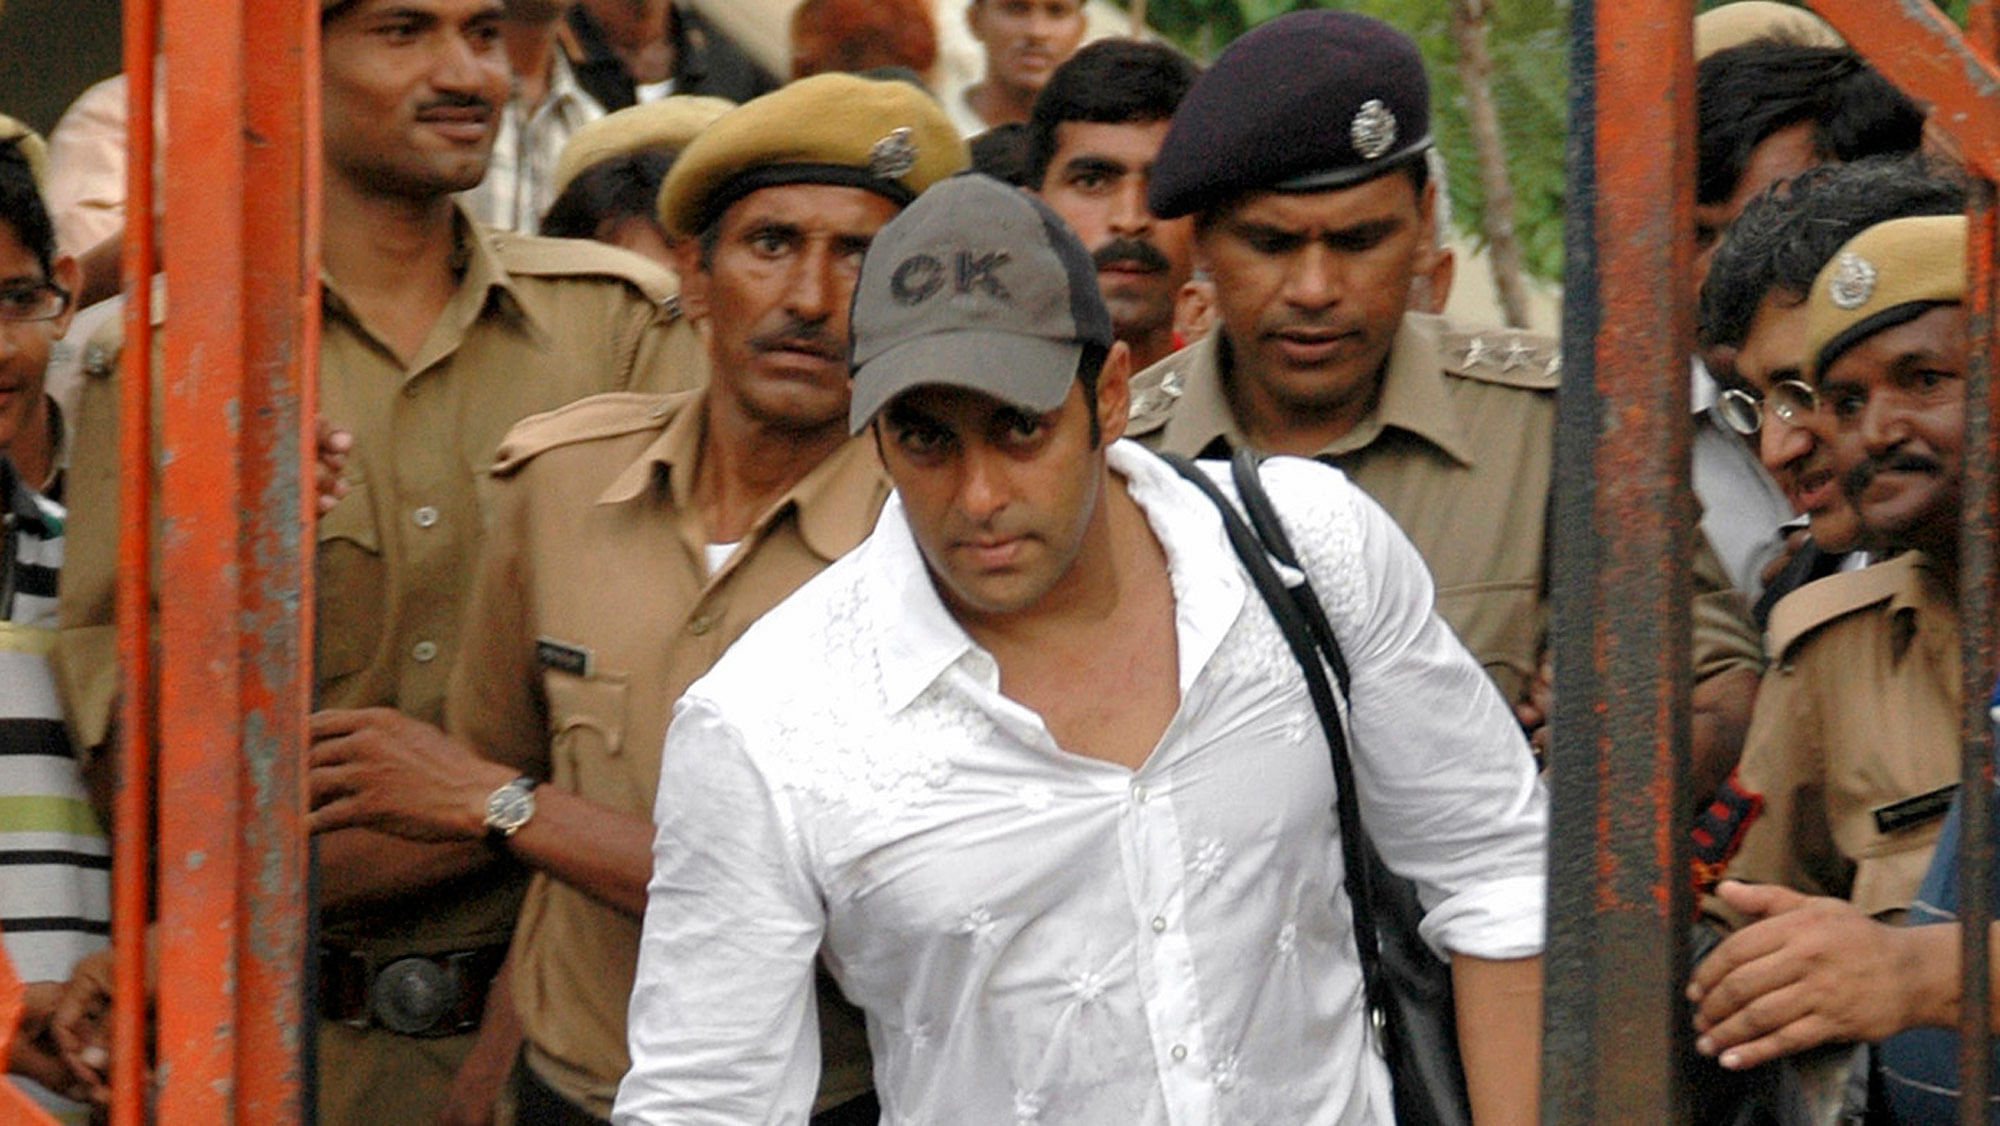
{"x": 437, "y": 336}
{"x": 1853, "y": 748}
{"x": 634, "y": 538}
{"x": 1313, "y": 204}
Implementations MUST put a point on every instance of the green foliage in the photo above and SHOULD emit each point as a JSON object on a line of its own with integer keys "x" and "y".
{"x": 1529, "y": 44}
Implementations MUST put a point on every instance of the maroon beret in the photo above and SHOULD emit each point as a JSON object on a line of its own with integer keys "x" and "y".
{"x": 1310, "y": 101}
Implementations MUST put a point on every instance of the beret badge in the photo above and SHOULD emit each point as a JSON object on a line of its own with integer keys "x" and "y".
{"x": 1853, "y": 281}
{"x": 1373, "y": 131}
{"x": 893, "y": 155}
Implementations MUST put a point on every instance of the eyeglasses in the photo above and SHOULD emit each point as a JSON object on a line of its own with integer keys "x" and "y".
{"x": 32, "y": 301}
{"x": 1743, "y": 411}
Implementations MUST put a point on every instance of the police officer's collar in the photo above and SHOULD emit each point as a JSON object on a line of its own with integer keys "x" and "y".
{"x": 1413, "y": 397}
{"x": 836, "y": 502}
{"x": 483, "y": 281}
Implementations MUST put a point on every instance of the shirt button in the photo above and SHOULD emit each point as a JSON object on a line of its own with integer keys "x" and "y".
{"x": 1179, "y": 1053}
{"x": 1140, "y": 793}
{"x": 425, "y": 516}
{"x": 1159, "y": 924}
{"x": 424, "y": 652}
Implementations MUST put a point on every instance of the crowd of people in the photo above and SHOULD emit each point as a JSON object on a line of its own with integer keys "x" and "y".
{"x": 771, "y": 668}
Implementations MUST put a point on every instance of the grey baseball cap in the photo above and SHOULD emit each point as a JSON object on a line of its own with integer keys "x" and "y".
{"x": 976, "y": 285}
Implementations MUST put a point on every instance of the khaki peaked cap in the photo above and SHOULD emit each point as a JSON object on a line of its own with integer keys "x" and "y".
{"x": 882, "y": 135}
{"x": 669, "y": 124}
{"x": 1888, "y": 274}
{"x": 33, "y": 148}
{"x": 1746, "y": 21}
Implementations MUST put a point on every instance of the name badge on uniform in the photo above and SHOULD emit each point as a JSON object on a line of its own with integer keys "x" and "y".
{"x": 1914, "y": 811}
{"x": 562, "y": 656}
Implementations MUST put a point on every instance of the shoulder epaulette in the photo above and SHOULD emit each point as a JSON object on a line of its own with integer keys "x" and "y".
{"x": 1824, "y": 601}
{"x": 1511, "y": 357}
{"x": 100, "y": 352}
{"x": 533, "y": 256}
{"x": 1155, "y": 393}
{"x": 609, "y": 415}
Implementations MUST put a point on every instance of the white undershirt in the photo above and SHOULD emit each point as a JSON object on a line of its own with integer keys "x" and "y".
{"x": 716, "y": 554}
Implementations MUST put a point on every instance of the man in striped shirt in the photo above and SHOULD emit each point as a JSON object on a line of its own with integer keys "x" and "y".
{"x": 54, "y": 857}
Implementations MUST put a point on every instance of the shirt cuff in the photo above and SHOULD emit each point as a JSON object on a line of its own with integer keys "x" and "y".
{"x": 1499, "y": 919}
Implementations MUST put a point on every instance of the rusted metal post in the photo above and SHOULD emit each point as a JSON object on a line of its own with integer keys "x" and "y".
{"x": 1924, "y": 53}
{"x": 132, "y": 828}
{"x": 1620, "y": 900}
{"x": 235, "y": 402}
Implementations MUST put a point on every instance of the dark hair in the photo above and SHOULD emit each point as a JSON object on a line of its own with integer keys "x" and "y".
{"x": 1089, "y": 366}
{"x": 612, "y": 189}
{"x": 1002, "y": 153}
{"x": 1110, "y": 82}
{"x": 330, "y": 12}
{"x": 1786, "y": 234}
{"x": 21, "y": 206}
{"x": 1748, "y": 92}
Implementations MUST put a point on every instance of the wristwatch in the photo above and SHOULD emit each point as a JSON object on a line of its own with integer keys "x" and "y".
{"x": 509, "y": 807}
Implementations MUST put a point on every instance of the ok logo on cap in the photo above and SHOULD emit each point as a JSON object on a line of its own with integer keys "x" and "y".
{"x": 921, "y": 277}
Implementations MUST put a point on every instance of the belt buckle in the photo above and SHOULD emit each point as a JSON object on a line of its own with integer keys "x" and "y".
{"x": 410, "y": 995}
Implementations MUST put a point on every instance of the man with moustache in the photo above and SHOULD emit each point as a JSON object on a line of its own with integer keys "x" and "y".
{"x": 437, "y": 336}
{"x": 1301, "y": 156}
{"x": 633, "y": 538}
{"x": 1753, "y": 309}
{"x": 1775, "y": 94}
{"x": 1092, "y": 139}
{"x": 1853, "y": 751}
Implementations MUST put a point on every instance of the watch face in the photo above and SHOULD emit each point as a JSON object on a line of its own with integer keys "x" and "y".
{"x": 509, "y": 807}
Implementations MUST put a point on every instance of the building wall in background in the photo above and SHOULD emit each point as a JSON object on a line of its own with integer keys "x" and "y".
{"x": 50, "y": 50}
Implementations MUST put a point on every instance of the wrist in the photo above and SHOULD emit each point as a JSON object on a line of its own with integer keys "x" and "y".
{"x": 488, "y": 777}
{"x": 1927, "y": 961}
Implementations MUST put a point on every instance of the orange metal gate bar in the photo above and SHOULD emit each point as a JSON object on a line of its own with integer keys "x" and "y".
{"x": 234, "y": 384}
{"x": 132, "y": 830}
{"x": 1919, "y": 49}
{"x": 1619, "y": 898}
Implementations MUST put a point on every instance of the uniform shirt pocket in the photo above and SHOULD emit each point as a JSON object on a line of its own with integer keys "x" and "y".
{"x": 350, "y": 584}
{"x": 587, "y": 723}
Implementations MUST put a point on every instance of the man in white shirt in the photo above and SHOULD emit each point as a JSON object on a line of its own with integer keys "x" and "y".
{"x": 1034, "y": 772}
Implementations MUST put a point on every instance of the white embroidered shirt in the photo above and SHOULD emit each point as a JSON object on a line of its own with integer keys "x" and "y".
{"x": 1038, "y": 936}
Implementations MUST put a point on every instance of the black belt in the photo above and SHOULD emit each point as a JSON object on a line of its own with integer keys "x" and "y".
{"x": 440, "y": 994}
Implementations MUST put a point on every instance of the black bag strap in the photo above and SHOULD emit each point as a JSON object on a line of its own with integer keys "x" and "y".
{"x": 1309, "y": 635}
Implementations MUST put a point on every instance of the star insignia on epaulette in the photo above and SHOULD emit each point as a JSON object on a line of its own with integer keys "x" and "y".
{"x": 893, "y": 155}
{"x": 1553, "y": 366}
{"x": 1853, "y": 281}
{"x": 1518, "y": 355}
{"x": 1475, "y": 351}
{"x": 1373, "y": 130}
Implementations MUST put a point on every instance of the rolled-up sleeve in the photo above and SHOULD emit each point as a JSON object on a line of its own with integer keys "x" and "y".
{"x": 1446, "y": 783}
{"x": 723, "y": 1027}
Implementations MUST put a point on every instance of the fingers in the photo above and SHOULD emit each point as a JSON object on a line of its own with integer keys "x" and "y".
{"x": 336, "y": 722}
{"x": 1761, "y": 900}
{"x": 344, "y": 812}
{"x": 1775, "y": 1024}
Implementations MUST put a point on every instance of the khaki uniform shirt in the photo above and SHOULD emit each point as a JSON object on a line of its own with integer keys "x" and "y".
{"x": 592, "y": 612}
{"x": 1458, "y": 449}
{"x": 534, "y": 324}
{"x": 1854, "y": 734}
